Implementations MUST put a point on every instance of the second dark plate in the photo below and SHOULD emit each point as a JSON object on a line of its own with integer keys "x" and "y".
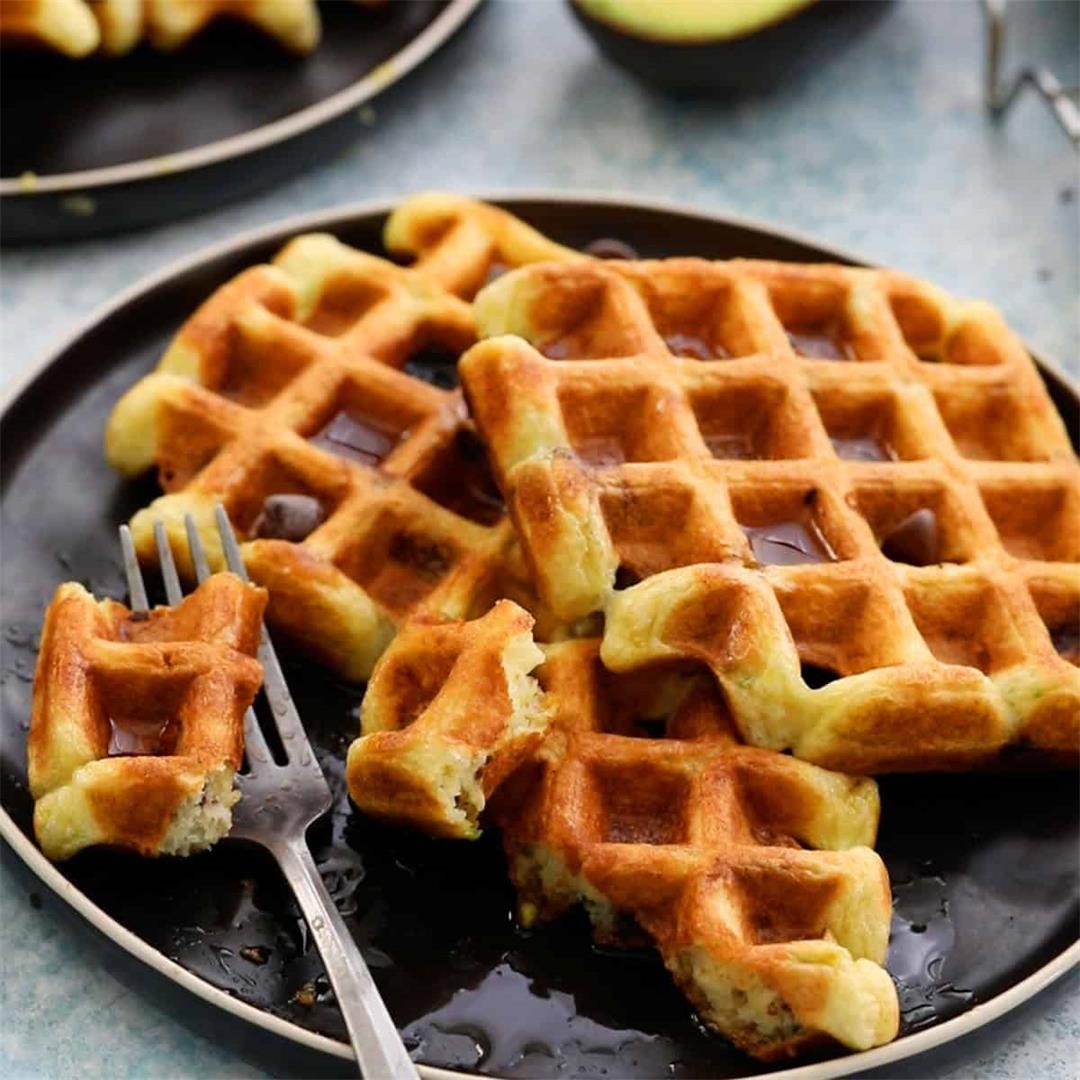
{"x": 95, "y": 145}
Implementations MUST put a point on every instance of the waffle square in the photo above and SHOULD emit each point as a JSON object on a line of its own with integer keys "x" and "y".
{"x": 449, "y": 712}
{"x": 847, "y": 492}
{"x": 136, "y": 729}
{"x": 748, "y": 870}
{"x": 294, "y": 379}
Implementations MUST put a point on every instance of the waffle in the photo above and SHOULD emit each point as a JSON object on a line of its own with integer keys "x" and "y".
{"x": 878, "y": 557}
{"x": 136, "y": 729}
{"x": 747, "y": 869}
{"x": 288, "y": 381}
{"x": 78, "y": 28}
{"x": 450, "y": 711}
{"x": 66, "y": 26}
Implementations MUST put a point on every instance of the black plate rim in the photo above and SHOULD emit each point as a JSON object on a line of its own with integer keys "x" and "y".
{"x": 380, "y": 78}
{"x": 339, "y": 217}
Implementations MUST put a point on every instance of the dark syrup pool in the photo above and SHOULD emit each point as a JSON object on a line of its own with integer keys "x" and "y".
{"x": 984, "y": 868}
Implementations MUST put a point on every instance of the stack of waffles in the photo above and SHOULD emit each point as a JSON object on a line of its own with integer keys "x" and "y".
{"x": 693, "y": 550}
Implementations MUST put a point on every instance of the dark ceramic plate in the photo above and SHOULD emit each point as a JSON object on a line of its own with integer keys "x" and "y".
{"x": 148, "y": 137}
{"x": 984, "y": 869}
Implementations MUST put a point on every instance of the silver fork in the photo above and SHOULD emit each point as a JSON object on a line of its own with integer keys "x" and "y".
{"x": 278, "y": 803}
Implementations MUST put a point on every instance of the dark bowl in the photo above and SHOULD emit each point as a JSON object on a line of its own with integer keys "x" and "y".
{"x": 759, "y": 61}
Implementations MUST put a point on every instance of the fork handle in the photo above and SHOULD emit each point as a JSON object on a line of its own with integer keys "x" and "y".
{"x": 378, "y": 1047}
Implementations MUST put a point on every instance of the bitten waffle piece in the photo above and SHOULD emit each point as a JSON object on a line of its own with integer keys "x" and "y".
{"x": 450, "y": 711}
{"x": 363, "y": 490}
{"x": 463, "y": 244}
{"x": 847, "y": 492}
{"x": 79, "y": 27}
{"x": 751, "y": 872}
{"x": 136, "y": 730}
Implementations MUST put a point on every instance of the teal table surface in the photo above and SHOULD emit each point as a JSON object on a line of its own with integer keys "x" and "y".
{"x": 885, "y": 150}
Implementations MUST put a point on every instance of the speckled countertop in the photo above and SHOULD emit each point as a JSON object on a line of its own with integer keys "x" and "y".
{"x": 885, "y": 151}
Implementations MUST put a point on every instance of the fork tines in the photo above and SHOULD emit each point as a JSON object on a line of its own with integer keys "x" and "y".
{"x": 275, "y": 688}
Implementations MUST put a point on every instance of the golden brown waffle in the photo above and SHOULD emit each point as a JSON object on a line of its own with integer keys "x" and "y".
{"x": 77, "y": 27}
{"x": 679, "y": 422}
{"x": 247, "y": 403}
{"x": 136, "y": 730}
{"x": 640, "y": 805}
{"x": 449, "y": 712}
{"x": 751, "y": 872}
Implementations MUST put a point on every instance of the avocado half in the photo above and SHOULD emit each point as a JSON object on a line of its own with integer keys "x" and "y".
{"x": 717, "y": 45}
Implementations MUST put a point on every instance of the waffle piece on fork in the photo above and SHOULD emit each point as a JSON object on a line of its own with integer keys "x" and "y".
{"x": 136, "y": 730}
{"x": 749, "y": 871}
{"x": 845, "y": 491}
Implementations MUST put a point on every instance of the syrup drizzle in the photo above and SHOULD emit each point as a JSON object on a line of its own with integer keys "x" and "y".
{"x": 355, "y": 439}
{"x": 600, "y": 450}
{"x": 694, "y": 347}
{"x": 461, "y": 481}
{"x": 508, "y": 1024}
{"x": 434, "y": 365}
{"x": 789, "y": 543}
{"x": 732, "y": 445}
{"x": 920, "y": 944}
{"x": 862, "y": 448}
{"x": 135, "y": 737}
{"x": 204, "y": 912}
{"x": 820, "y": 345}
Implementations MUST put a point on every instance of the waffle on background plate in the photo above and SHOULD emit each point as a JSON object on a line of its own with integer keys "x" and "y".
{"x": 78, "y": 28}
{"x": 752, "y": 507}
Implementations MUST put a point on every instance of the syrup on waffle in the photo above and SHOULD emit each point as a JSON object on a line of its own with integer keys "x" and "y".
{"x": 449, "y": 712}
{"x": 77, "y": 28}
{"x": 293, "y": 380}
{"x": 136, "y": 729}
{"x": 845, "y": 491}
{"x": 748, "y": 870}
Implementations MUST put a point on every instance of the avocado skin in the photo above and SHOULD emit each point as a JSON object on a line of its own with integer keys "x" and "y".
{"x": 757, "y": 61}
